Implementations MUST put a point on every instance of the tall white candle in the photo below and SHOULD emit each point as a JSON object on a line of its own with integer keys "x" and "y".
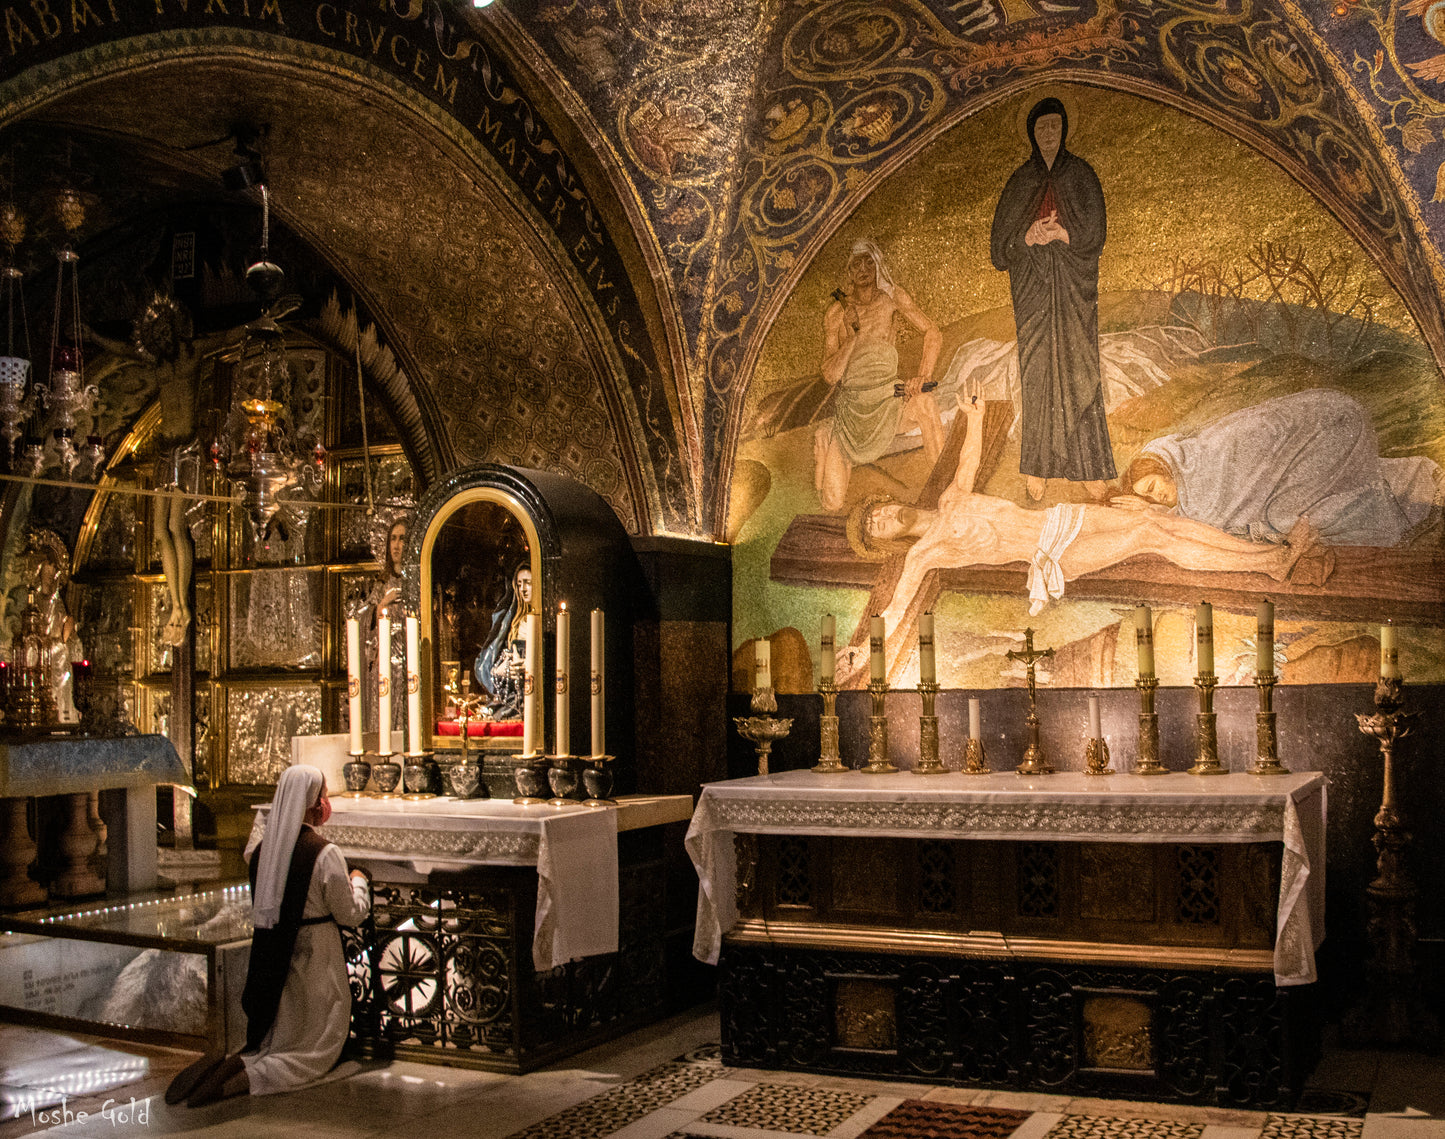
{"x": 353, "y": 682}
{"x": 974, "y": 727}
{"x": 1144, "y": 636}
{"x": 383, "y": 686}
{"x": 827, "y": 665}
{"x": 529, "y": 685}
{"x": 1389, "y": 653}
{"x": 1264, "y": 639}
{"x": 1204, "y": 637}
{"x": 564, "y": 680}
{"x": 927, "y": 669}
{"x": 762, "y": 664}
{"x": 1094, "y": 731}
{"x": 876, "y": 634}
{"x": 413, "y": 687}
{"x": 599, "y": 686}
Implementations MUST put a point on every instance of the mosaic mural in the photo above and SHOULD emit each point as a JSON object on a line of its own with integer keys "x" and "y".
{"x": 1156, "y": 370}
{"x": 691, "y": 161}
{"x": 842, "y": 93}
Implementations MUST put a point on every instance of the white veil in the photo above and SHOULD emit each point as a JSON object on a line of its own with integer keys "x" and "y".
{"x": 298, "y": 789}
{"x": 867, "y": 247}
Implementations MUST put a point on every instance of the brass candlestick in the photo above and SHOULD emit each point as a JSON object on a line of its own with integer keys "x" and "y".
{"x": 829, "y": 762}
{"x": 1034, "y": 761}
{"x": 1266, "y": 751}
{"x": 385, "y": 775}
{"x": 928, "y": 762}
{"x": 1393, "y": 1010}
{"x": 1207, "y": 730}
{"x": 762, "y": 728}
{"x": 1148, "y": 761}
{"x": 975, "y": 761}
{"x": 1096, "y": 758}
{"x": 878, "y": 733}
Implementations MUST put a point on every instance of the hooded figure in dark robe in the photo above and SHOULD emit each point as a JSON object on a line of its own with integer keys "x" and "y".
{"x": 1048, "y": 232}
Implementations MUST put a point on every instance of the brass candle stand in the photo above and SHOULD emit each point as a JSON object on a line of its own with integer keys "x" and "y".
{"x": 829, "y": 761}
{"x": 564, "y": 777}
{"x": 1266, "y": 751}
{"x": 385, "y": 775}
{"x": 1392, "y": 1010}
{"x": 1034, "y": 761}
{"x": 975, "y": 760}
{"x": 878, "y": 733}
{"x": 928, "y": 762}
{"x": 762, "y": 727}
{"x": 1148, "y": 761}
{"x": 1096, "y": 758}
{"x": 1207, "y": 730}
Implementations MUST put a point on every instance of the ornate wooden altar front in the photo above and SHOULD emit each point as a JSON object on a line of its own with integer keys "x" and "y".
{"x": 447, "y": 968}
{"x": 1044, "y": 934}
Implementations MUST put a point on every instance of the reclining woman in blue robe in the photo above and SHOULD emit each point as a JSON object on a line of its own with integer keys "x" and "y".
{"x": 1255, "y": 473}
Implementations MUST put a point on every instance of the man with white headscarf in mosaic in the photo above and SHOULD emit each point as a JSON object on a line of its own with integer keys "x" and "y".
{"x": 860, "y": 359}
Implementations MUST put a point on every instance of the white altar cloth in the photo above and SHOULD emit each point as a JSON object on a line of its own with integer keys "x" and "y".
{"x": 1069, "y": 806}
{"x": 574, "y": 849}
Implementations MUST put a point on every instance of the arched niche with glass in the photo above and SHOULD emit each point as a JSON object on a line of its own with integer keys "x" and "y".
{"x": 488, "y": 543}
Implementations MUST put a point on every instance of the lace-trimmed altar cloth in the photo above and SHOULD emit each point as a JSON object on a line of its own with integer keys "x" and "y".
{"x": 1068, "y": 807}
{"x": 573, "y": 848}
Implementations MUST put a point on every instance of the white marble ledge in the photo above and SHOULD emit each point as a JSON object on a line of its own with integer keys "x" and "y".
{"x": 632, "y": 812}
{"x": 1070, "y": 805}
{"x": 1007, "y": 786}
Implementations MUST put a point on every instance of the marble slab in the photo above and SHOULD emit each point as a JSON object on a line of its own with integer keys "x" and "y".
{"x": 69, "y": 765}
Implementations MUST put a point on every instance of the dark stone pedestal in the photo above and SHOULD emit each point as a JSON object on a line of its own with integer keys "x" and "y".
{"x": 1040, "y": 1025}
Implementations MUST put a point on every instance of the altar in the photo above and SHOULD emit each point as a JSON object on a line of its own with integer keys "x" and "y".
{"x": 1086, "y": 934}
{"x": 504, "y": 936}
{"x": 107, "y": 845}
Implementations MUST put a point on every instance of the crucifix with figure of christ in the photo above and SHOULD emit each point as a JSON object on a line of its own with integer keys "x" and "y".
{"x": 1034, "y": 761}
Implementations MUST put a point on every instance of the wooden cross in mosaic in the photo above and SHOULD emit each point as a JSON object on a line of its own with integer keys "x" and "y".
{"x": 815, "y": 549}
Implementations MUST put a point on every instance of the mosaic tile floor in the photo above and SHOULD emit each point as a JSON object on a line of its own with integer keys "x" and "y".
{"x": 668, "y": 1082}
{"x": 760, "y": 1105}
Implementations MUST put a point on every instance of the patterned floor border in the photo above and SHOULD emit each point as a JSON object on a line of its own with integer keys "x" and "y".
{"x": 776, "y": 1105}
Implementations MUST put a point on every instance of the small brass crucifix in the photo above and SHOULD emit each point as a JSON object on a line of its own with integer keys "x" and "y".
{"x": 1034, "y": 762}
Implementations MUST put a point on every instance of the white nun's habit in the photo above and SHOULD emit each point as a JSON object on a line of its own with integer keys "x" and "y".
{"x": 312, "y": 1012}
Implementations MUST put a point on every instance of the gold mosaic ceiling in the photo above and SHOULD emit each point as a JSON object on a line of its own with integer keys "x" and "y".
{"x": 503, "y": 366}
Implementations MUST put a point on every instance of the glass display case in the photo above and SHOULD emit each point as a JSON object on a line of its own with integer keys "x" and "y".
{"x": 162, "y": 969}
